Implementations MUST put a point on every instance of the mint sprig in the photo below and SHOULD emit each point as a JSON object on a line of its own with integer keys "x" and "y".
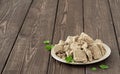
{"x": 69, "y": 59}
{"x": 93, "y": 68}
{"x": 46, "y": 42}
{"x": 48, "y": 46}
{"x": 103, "y": 66}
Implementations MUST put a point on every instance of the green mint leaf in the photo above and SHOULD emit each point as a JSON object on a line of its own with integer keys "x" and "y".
{"x": 49, "y": 47}
{"x": 52, "y": 46}
{"x": 46, "y": 42}
{"x": 94, "y": 68}
{"x": 103, "y": 66}
{"x": 69, "y": 59}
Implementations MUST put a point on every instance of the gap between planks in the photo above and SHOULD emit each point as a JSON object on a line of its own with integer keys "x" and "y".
{"x": 111, "y": 14}
{"x": 53, "y": 35}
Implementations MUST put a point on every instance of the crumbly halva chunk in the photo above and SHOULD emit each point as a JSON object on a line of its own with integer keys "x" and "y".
{"x": 58, "y": 47}
{"x": 102, "y": 49}
{"x": 79, "y": 56}
{"x": 61, "y": 42}
{"x": 89, "y": 54}
{"x": 82, "y": 48}
{"x": 75, "y": 45}
{"x": 96, "y": 51}
{"x": 86, "y": 38}
{"x": 100, "y": 45}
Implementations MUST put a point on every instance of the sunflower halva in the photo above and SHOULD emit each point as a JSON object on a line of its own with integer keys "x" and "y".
{"x": 82, "y": 48}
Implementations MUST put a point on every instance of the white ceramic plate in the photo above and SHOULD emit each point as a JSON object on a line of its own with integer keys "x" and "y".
{"x": 108, "y": 52}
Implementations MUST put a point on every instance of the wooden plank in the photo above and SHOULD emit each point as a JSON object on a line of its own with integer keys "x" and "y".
{"x": 28, "y": 55}
{"x": 115, "y": 9}
{"x": 69, "y": 22}
{"x": 98, "y": 24}
{"x": 12, "y": 14}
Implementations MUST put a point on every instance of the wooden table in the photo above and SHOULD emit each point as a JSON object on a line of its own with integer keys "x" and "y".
{"x": 25, "y": 24}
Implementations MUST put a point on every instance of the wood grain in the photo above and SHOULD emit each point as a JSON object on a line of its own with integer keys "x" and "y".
{"x": 115, "y": 11}
{"x": 29, "y": 55}
{"x": 21, "y": 46}
{"x": 98, "y": 24}
{"x": 12, "y": 14}
{"x": 69, "y": 22}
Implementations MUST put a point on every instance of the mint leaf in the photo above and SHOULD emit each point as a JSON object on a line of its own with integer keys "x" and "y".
{"x": 49, "y": 47}
{"x": 52, "y": 46}
{"x": 46, "y": 42}
{"x": 94, "y": 68}
{"x": 69, "y": 59}
{"x": 103, "y": 66}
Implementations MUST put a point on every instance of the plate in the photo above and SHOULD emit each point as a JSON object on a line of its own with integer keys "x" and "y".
{"x": 107, "y": 54}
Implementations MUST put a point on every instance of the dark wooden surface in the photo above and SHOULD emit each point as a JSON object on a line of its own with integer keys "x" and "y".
{"x": 25, "y": 24}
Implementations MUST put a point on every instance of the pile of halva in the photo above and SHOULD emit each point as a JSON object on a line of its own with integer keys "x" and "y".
{"x": 82, "y": 48}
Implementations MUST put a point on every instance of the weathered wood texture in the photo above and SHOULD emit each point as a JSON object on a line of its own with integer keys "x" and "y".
{"x": 69, "y": 21}
{"x": 25, "y": 24}
{"x": 98, "y": 24}
{"x": 28, "y": 55}
{"x": 12, "y": 14}
{"x": 115, "y": 10}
